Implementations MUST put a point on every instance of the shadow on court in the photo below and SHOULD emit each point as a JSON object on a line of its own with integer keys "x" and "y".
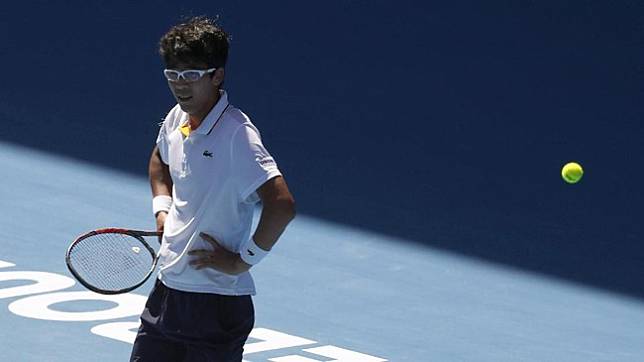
{"x": 445, "y": 125}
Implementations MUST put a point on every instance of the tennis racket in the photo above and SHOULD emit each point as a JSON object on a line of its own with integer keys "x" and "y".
{"x": 112, "y": 260}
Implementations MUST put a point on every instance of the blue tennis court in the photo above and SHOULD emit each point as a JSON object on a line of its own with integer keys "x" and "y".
{"x": 356, "y": 295}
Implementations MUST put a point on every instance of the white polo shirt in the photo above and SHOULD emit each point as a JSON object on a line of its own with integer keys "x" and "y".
{"x": 216, "y": 171}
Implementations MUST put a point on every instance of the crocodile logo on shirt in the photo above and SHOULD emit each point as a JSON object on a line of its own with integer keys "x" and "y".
{"x": 207, "y": 153}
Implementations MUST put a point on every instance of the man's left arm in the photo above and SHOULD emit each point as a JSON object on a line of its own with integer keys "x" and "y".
{"x": 278, "y": 209}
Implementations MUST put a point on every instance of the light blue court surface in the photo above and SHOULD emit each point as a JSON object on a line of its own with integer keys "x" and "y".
{"x": 326, "y": 293}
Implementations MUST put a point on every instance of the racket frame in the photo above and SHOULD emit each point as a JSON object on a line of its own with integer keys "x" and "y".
{"x": 137, "y": 234}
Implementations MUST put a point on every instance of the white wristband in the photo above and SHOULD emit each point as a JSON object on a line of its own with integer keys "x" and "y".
{"x": 251, "y": 253}
{"x": 161, "y": 203}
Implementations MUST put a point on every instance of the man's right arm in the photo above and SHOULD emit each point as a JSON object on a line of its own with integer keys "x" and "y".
{"x": 160, "y": 182}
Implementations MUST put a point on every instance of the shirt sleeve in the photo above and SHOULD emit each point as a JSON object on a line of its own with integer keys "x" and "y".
{"x": 162, "y": 143}
{"x": 252, "y": 165}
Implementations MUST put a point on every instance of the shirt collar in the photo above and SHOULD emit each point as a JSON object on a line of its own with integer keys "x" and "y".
{"x": 215, "y": 114}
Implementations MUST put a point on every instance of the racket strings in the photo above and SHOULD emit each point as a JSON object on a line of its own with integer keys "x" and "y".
{"x": 111, "y": 261}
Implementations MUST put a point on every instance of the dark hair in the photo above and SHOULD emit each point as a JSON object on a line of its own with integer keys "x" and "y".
{"x": 199, "y": 40}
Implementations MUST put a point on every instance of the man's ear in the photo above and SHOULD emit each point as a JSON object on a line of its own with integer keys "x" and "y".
{"x": 218, "y": 77}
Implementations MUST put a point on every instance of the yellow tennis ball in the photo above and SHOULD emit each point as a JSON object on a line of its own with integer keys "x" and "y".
{"x": 572, "y": 172}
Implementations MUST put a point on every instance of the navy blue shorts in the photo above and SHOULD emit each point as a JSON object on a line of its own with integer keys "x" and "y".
{"x": 183, "y": 326}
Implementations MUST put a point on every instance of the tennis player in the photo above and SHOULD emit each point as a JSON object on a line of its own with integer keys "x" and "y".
{"x": 207, "y": 172}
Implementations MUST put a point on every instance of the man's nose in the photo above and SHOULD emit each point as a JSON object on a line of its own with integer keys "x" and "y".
{"x": 180, "y": 84}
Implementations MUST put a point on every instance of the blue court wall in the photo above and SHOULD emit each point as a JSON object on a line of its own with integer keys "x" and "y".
{"x": 445, "y": 123}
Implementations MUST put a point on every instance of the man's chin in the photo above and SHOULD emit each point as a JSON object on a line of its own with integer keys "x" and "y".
{"x": 186, "y": 108}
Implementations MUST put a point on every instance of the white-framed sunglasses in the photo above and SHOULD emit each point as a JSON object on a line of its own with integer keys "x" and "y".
{"x": 189, "y": 75}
